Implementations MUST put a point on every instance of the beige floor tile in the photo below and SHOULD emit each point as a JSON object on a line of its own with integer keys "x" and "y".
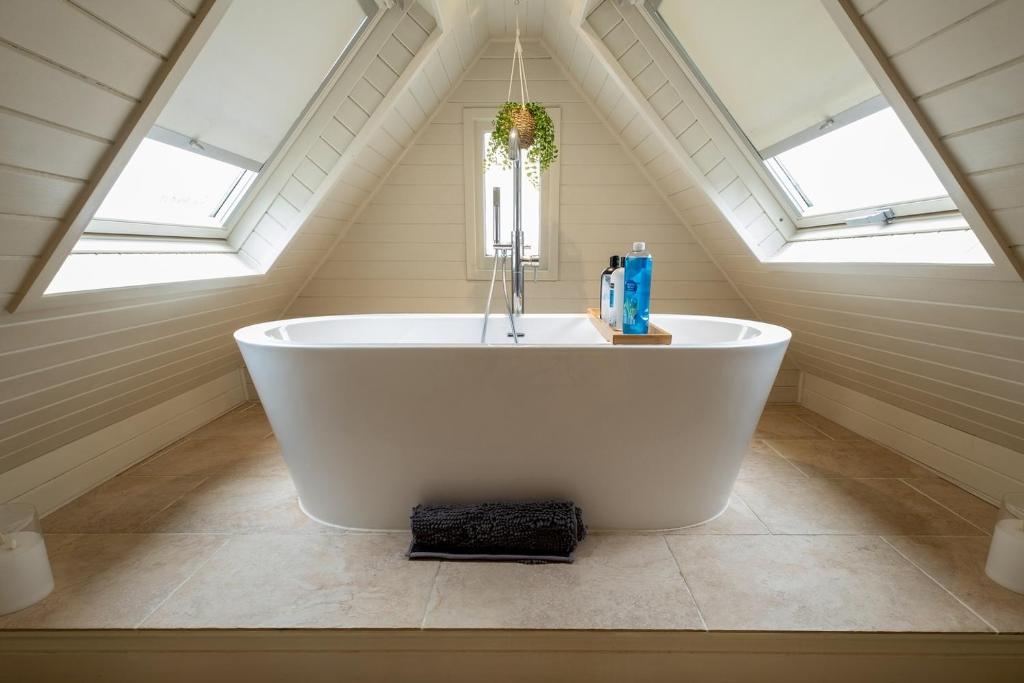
{"x": 205, "y": 455}
{"x": 119, "y": 505}
{"x": 112, "y": 580}
{"x": 617, "y": 581}
{"x": 828, "y": 458}
{"x": 959, "y": 565}
{"x": 814, "y": 583}
{"x": 738, "y": 518}
{"x": 230, "y": 504}
{"x": 833, "y": 429}
{"x": 785, "y": 408}
{"x": 785, "y": 426}
{"x": 975, "y": 510}
{"x": 849, "y": 506}
{"x": 293, "y": 581}
{"x": 269, "y": 463}
{"x": 249, "y": 421}
{"x": 763, "y": 462}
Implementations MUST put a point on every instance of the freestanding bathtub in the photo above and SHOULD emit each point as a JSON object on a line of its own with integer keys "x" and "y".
{"x": 376, "y": 413}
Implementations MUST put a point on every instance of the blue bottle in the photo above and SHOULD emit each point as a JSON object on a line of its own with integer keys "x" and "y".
{"x": 636, "y": 304}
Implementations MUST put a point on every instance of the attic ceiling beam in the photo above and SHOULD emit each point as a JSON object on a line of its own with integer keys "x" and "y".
{"x": 874, "y": 59}
{"x": 141, "y": 120}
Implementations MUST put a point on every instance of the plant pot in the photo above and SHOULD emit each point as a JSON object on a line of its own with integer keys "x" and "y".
{"x": 523, "y": 121}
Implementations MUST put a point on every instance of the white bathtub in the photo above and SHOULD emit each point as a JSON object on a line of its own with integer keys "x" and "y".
{"x": 376, "y": 413}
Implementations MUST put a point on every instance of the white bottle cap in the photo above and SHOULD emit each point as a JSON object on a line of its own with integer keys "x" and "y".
{"x": 639, "y": 246}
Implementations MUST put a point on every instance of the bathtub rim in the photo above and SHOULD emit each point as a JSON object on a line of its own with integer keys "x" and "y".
{"x": 256, "y": 334}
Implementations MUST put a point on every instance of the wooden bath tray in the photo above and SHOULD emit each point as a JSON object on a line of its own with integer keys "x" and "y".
{"x": 655, "y": 335}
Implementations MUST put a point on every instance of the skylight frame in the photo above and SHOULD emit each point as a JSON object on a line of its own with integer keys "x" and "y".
{"x": 769, "y": 250}
{"x": 216, "y": 225}
{"x": 70, "y": 241}
{"x": 231, "y": 227}
{"x": 916, "y": 209}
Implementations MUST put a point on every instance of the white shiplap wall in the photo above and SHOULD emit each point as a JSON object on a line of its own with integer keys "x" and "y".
{"x": 71, "y": 76}
{"x": 406, "y": 251}
{"x": 942, "y": 345}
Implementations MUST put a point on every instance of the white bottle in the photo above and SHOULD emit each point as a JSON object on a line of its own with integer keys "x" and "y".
{"x": 616, "y": 289}
{"x": 606, "y": 282}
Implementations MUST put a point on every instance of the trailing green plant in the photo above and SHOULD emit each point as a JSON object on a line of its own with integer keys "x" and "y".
{"x": 541, "y": 153}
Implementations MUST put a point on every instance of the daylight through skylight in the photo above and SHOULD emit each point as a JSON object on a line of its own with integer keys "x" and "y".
{"x": 167, "y": 184}
{"x": 869, "y": 163}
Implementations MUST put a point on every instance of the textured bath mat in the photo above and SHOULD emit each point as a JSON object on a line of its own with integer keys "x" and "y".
{"x": 541, "y": 531}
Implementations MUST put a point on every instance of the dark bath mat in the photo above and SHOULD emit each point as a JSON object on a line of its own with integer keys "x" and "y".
{"x": 541, "y": 531}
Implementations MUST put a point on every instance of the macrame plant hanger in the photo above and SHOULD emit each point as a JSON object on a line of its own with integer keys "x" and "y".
{"x": 521, "y": 117}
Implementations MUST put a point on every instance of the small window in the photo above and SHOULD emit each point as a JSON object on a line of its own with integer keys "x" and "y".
{"x": 540, "y": 203}
{"x": 502, "y": 178}
{"x": 785, "y": 77}
{"x": 228, "y": 118}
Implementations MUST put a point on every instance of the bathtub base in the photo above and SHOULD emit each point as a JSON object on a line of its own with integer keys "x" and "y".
{"x": 590, "y": 529}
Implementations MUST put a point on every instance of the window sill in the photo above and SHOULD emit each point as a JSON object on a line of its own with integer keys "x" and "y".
{"x": 950, "y": 246}
{"x": 122, "y": 244}
{"x": 92, "y": 272}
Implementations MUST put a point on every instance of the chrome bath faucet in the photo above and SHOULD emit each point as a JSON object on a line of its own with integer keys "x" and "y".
{"x": 513, "y": 251}
{"x": 519, "y": 258}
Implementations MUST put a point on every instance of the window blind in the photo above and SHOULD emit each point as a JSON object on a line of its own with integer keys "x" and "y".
{"x": 259, "y": 69}
{"x": 779, "y": 66}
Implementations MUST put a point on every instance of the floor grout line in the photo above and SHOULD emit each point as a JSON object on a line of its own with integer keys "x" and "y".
{"x": 817, "y": 429}
{"x": 939, "y": 584}
{"x": 768, "y": 443}
{"x": 430, "y": 597}
{"x": 689, "y": 591}
{"x": 174, "y": 590}
{"x": 943, "y": 505}
{"x": 202, "y": 480}
{"x": 757, "y": 516}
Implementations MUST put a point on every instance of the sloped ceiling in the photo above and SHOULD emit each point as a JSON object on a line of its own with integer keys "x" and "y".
{"x": 940, "y": 346}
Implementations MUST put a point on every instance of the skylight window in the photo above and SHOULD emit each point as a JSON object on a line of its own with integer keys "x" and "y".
{"x": 502, "y": 178}
{"x": 795, "y": 92}
{"x": 167, "y": 185}
{"x": 872, "y": 162}
{"x": 540, "y": 216}
{"x": 232, "y": 112}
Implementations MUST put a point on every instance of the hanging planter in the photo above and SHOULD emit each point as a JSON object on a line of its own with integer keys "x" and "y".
{"x": 536, "y": 135}
{"x": 536, "y": 129}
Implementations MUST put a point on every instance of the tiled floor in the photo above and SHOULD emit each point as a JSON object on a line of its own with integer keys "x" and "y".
{"x": 826, "y": 531}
